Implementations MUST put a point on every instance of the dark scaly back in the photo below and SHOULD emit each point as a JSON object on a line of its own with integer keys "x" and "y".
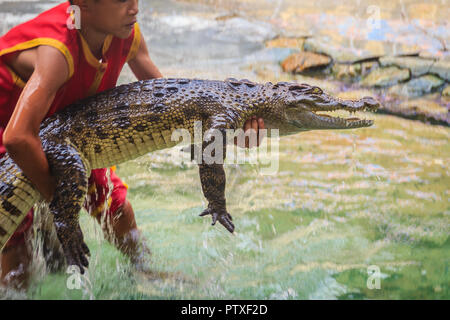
{"x": 133, "y": 119}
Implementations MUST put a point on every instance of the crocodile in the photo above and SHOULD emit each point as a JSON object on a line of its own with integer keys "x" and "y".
{"x": 131, "y": 120}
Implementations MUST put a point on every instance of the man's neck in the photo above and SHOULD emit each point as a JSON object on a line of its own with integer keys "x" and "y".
{"x": 95, "y": 41}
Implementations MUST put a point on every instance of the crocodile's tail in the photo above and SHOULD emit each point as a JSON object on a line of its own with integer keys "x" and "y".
{"x": 17, "y": 197}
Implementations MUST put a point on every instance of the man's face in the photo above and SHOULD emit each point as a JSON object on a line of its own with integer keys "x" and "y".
{"x": 116, "y": 17}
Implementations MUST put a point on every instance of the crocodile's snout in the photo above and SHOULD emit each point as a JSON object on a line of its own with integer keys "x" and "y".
{"x": 307, "y": 107}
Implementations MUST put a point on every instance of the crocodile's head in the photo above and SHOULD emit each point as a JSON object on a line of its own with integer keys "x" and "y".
{"x": 300, "y": 107}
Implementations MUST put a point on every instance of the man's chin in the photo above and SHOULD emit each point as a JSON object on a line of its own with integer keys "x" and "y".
{"x": 123, "y": 34}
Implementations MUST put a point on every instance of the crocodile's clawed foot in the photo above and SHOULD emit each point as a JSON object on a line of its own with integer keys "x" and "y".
{"x": 220, "y": 215}
{"x": 75, "y": 250}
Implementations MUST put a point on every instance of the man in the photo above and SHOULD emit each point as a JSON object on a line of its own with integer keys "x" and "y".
{"x": 45, "y": 66}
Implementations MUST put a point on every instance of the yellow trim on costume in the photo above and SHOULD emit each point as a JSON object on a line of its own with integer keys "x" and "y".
{"x": 113, "y": 169}
{"x": 97, "y": 80}
{"x": 17, "y": 80}
{"x": 87, "y": 53}
{"x": 92, "y": 60}
{"x": 100, "y": 208}
{"x": 92, "y": 189}
{"x": 44, "y": 42}
{"x": 136, "y": 43}
{"x": 107, "y": 44}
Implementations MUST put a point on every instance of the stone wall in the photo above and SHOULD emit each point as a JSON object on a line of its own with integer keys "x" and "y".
{"x": 408, "y": 81}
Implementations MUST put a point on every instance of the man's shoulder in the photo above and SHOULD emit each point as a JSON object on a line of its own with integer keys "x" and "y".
{"x": 47, "y": 29}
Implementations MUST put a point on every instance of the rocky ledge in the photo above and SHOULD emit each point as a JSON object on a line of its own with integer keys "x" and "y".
{"x": 410, "y": 82}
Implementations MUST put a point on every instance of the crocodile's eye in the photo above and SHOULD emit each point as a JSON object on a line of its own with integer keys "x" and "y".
{"x": 317, "y": 90}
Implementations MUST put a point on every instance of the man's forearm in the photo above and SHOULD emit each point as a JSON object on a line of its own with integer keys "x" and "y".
{"x": 29, "y": 156}
{"x": 144, "y": 68}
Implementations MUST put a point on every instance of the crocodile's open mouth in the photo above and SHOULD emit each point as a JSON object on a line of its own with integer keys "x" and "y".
{"x": 337, "y": 105}
{"x": 353, "y": 122}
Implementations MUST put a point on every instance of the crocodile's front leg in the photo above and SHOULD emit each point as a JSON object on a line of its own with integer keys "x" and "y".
{"x": 213, "y": 180}
{"x": 212, "y": 177}
{"x": 71, "y": 177}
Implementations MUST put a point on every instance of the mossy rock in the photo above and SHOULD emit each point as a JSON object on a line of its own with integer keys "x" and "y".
{"x": 417, "y": 66}
{"x": 385, "y": 77}
{"x": 442, "y": 69}
{"x": 353, "y": 71}
{"x": 446, "y": 91}
{"x": 301, "y": 61}
{"x": 417, "y": 87}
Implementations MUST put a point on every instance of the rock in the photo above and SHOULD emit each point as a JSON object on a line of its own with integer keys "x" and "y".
{"x": 346, "y": 71}
{"x": 435, "y": 55}
{"x": 286, "y": 43}
{"x": 423, "y": 106}
{"x": 227, "y": 16}
{"x": 301, "y": 61}
{"x": 369, "y": 66}
{"x": 442, "y": 69}
{"x": 269, "y": 55}
{"x": 417, "y": 109}
{"x": 340, "y": 54}
{"x": 384, "y": 77}
{"x": 350, "y": 51}
{"x": 417, "y": 66}
{"x": 422, "y": 11}
{"x": 446, "y": 91}
{"x": 417, "y": 87}
{"x": 352, "y": 71}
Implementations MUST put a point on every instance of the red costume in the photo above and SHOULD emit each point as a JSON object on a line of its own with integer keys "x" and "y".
{"x": 87, "y": 76}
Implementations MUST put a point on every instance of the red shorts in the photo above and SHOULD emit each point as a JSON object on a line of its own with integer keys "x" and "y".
{"x": 98, "y": 197}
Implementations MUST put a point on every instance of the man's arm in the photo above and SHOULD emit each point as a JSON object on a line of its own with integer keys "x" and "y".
{"x": 142, "y": 66}
{"x": 21, "y": 136}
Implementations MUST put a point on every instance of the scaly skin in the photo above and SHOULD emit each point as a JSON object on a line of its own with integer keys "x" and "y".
{"x": 131, "y": 120}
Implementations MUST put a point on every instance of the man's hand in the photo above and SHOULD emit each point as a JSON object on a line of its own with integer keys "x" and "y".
{"x": 253, "y": 137}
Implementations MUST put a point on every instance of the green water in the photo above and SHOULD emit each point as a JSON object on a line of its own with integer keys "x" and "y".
{"x": 341, "y": 201}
